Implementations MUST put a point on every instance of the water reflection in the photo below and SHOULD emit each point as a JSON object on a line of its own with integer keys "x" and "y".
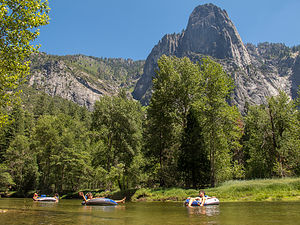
{"x": 212, "y": 210}
{"x": 44, "y": 204}
{"x": 103, "y": 208}
{"x": 99, "y": 214}
{"x": 70, "y": 212}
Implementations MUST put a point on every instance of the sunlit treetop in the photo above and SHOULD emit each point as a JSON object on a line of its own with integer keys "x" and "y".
{"x": 19, "y": 23}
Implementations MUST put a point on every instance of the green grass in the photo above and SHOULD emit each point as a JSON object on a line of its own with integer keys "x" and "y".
{"x": 162, "y": 194}
{"x": 258, "y": 190}
{"x": 287, "y": 189}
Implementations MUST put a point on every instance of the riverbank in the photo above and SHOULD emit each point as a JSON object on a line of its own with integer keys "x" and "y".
{"x": 286, "y": 189}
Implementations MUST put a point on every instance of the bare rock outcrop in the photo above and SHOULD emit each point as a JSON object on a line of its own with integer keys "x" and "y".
{"x": 56, "y": 79}
{"x": 211, "y": 32}
{"x": 166, "y": 46}
{"x": 258, "y": 71}
{"x": 82, "y": 79}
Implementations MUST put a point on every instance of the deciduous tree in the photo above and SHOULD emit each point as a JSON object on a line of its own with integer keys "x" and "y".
{"x": 19, "y": 22}
{"x": 118, "y": 121}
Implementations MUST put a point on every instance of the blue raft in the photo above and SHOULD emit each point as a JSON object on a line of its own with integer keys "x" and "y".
{"x": 100, "y": 201}
{"x": 208, "y": 201}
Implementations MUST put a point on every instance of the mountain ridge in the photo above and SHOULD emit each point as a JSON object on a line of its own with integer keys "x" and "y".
{"x": 83, "y": 79}
{"x": 258, "y": 70}
{"x": 210, "y": 32}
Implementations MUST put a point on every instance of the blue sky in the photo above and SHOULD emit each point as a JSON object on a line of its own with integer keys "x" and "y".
{"x": 130, "y": 28}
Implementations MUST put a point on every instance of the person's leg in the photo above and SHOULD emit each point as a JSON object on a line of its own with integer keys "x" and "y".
{"x": 120, "y": 201}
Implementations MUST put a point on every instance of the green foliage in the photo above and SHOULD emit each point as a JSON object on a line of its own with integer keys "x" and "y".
{"x": 175, "y": 88}
{"x": 220, "y": 121}
{"x": 272, "y": 138}
{"x": 57, "y": 161}
{"x": 189, "y": 136}
{"x": 258, "y": 190}
{"x": 62, "y": 158}
{"x": 39, "y": 103}
{"x": 182, "y": 89}
{"x": 21, "y": 163}
{"x": 19, "y": 123}
{"x": 122, "y": 70}
{"x": 117, "y": 127}
{"x": 54, "y": 150}
{"x": 19, "y": 21}
{"x": 6, "y": 180}
{"x": 193, "y": 159}
{"x": 233, "y": 190}
{"x": 163, "y": 194}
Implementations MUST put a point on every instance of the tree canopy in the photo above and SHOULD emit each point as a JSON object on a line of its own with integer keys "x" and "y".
{"x": 189, "y": 136}
{"x": 187, "y": 98}
{"x": 19, "y": 22}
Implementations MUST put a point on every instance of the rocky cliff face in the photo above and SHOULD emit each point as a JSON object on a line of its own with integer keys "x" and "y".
{"x": 56, "y": 78}
{"x": 167, "y": 46}
{"x": 82, "y": 79}
{"x": 295, "y": 78}
{"x": 211, "y": 32}
{"x": 258, "y": 71}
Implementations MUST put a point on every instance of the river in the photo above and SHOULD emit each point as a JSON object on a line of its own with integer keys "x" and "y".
{"x": 25, "y": 211}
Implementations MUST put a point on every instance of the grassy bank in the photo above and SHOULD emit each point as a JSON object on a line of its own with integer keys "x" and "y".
{"x": 287, "y": 189}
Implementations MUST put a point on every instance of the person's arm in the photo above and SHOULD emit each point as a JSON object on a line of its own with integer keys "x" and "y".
{"x": 81, "y": 194}
{"x": 202, "y": 201}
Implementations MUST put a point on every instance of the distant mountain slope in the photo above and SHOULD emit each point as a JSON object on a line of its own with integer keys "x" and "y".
{"x": 83, "y": 79}
{"x": 258, "y": 71}
{"x": 39, "y": 103}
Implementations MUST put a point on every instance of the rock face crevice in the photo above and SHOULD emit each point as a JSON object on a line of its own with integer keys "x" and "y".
{"x": 258, "y": 71}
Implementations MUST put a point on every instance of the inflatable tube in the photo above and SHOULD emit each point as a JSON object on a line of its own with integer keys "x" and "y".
{"x": 46, "y": 199}
{"x": 100, "y": 201}
{"x": 208, "y": 201}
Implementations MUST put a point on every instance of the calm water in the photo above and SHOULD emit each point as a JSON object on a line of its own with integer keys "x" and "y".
{"x": 25, "y": 211}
